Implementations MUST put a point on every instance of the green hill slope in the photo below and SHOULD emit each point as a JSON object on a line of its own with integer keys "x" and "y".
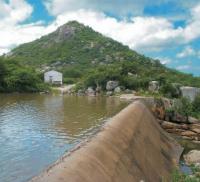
{"x": 73, "y": 43}
{"x": 90, "y": 58}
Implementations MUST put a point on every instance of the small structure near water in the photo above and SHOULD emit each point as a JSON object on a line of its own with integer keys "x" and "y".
{"x": 190, "y": 92}
{"x": 53, "y": 77}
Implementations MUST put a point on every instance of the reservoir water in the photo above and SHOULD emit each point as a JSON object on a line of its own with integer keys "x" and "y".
{"x": 35, "y": 130}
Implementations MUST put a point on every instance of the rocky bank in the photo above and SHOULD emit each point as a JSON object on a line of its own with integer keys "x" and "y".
{"x": 188, "y": 128}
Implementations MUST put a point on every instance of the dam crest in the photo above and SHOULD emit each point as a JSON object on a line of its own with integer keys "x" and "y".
{"x": 130, "y": 147}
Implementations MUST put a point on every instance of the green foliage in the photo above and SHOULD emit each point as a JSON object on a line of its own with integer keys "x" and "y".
{"x": 196, "y": 104}
{"x": 89, "y": 58}
{"x": 147, "y": 93}
{"x": 196, "y": 107}
{"x": 15, "y": 77}
{"x": 169, "y": 90}
{"x": 134, "y": 83}
{"x": 69, "y": 81}
{"x": 101, "y": 75}
{"x": 179, "y": 177}
{"x": 72, "y": 73}
{"x": 184, "y": 107}
{"x": 79, "y": 86}
{"x": 3, "y": 73}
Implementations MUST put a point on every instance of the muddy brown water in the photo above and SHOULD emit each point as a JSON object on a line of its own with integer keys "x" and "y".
{"x": 35, "y": 130}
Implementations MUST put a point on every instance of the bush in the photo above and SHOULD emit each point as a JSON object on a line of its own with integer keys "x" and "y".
{"x": 130, "y": 82}
{"x": 72, "y": 73}
{"x": 179, "y": 177}
{"x": 69, "y": 80}
{"x": 79, "y": 86}
{"x": 196, "y": 104}
{"x": 170, "y": 90}
{"x": 184, "y": 107}
{"x": 19, "y": 78}
{"x": 196, "y": 107}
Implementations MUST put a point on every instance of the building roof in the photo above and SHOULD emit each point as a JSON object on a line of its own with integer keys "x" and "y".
{"x": 188, "y": 88}
{"x": 52, "y": 71}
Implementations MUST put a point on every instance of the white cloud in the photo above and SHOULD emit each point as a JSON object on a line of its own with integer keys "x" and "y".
{"x": 18, "y": 34}
{"x": 192, "y": 30}
{"x": 164, "y": 60}
{"x": 141, "y": 33}
{"x": 187, "y": 52}
{"x": 190, "y": 68}
{"x": 15, "y": 11}
{"x": 12, "y": 13}
{"x": 183, "y": 67}
{"x": 117, "y": 7}
{"x": 3, "y": 50}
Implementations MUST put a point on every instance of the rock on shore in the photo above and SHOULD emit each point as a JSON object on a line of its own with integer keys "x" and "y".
{"x": 188, "y": 128}
{"x": 193, "y": 157}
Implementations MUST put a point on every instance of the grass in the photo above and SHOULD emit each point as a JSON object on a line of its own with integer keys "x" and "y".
{"x": 180, "y": 177}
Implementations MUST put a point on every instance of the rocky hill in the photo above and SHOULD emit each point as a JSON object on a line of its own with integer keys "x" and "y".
{"x": 91, "y": 59}
{"x": 73, "y": 43}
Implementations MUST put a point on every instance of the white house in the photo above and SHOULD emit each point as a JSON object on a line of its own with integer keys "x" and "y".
{"x": 190, "y": 92}
{"x": 53, "y": 77}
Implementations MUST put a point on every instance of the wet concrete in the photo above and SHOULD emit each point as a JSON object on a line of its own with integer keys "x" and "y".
{"x": 130, "y": 147}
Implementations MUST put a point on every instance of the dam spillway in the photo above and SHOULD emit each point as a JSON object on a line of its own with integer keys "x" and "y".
{"x": 130, "y": 147}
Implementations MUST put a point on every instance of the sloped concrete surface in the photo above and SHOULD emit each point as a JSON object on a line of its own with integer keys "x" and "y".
{"x": 131, "y": 147}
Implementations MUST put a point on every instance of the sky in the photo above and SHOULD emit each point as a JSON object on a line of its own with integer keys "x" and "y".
{"x": 168, "y": 30}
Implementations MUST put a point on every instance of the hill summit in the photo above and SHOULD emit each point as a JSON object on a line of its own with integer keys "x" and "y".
{"x": 86, "y": 56}
{"x": 73, "y": 42}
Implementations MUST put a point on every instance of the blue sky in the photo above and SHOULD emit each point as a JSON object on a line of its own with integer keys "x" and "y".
{"x": 168, "y": 30}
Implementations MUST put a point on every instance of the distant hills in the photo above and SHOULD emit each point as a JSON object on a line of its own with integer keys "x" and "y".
{"x": 73, "y": 43}
{"x": 89, "y": 58}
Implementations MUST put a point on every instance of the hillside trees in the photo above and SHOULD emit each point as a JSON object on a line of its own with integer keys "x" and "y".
{"x": 3, "y": 72}
{"x": 15, "y": 77}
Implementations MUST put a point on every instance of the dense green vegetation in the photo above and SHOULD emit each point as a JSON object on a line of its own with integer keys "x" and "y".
{"x": 15, "y": 77}
{"x": 179, "y": 177}
{"x": 91, "y": 59}
{"x": 185, "y": 107}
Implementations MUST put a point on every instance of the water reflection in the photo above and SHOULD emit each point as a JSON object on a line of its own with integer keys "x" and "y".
{"x": 36, "y": 129}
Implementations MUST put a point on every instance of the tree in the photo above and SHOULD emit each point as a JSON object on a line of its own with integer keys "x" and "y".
{"x": 3, "y": 72}
{"x": 185, "y": 108}
{"x": 170, "y": 90}
{"x": 196, "y": 104}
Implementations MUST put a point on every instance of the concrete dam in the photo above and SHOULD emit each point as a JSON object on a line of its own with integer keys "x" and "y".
{"x": 131, "y": 147}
